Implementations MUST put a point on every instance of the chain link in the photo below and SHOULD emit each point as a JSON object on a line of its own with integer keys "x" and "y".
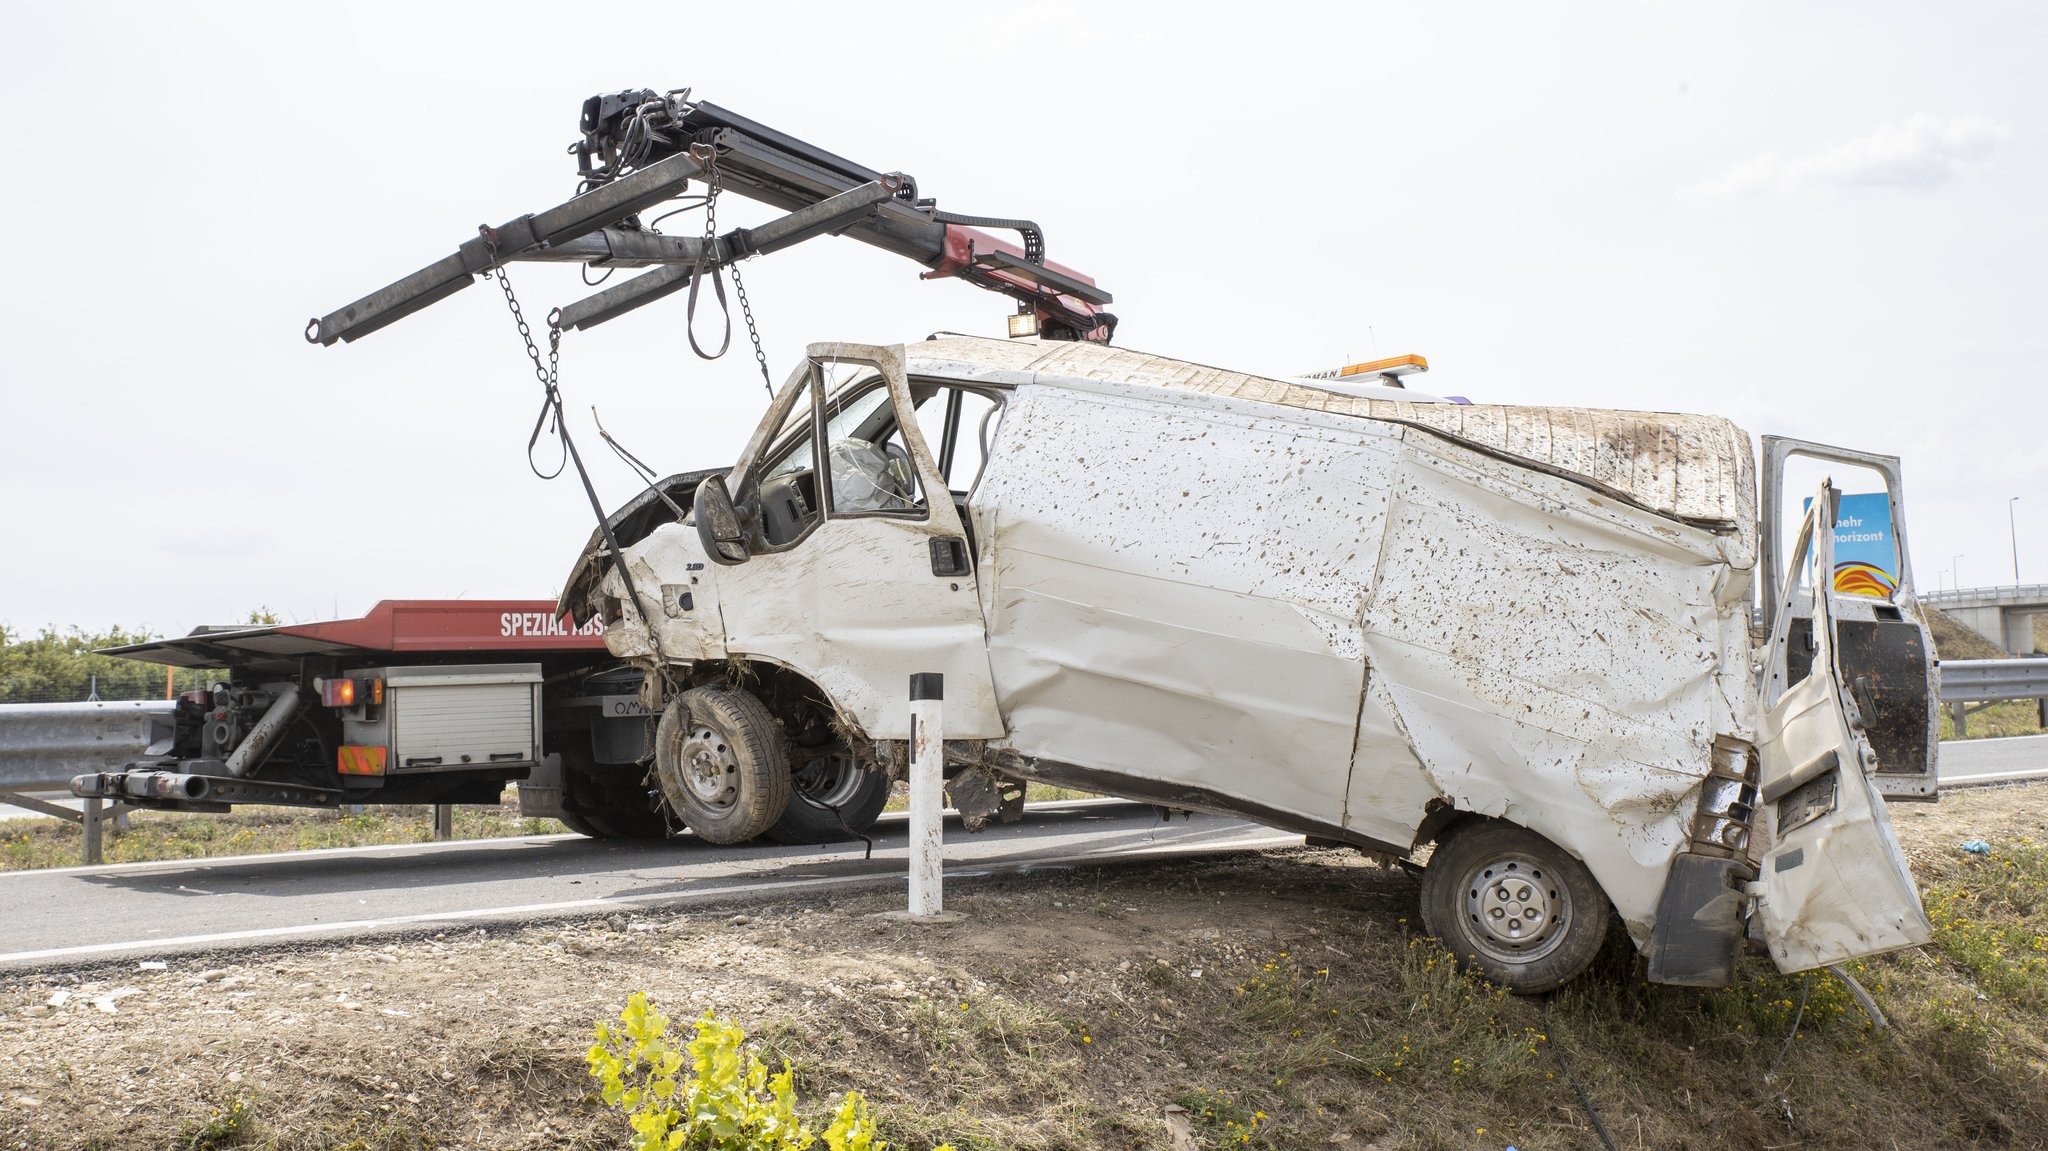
{"x": 753, "y": 333}
{"x": 739, "y": 287}
{"x": 548, "y": 374}
{"x": 550, "y": 419}
{"x": 710, "y": 201}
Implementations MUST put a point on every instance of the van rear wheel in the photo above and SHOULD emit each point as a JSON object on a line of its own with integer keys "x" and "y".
{"x": 1513, "y": 906}
{"x": 723, "y": 763}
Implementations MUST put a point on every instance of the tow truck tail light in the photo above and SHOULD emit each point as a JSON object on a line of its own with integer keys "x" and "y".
{"x": 350, "y": 692}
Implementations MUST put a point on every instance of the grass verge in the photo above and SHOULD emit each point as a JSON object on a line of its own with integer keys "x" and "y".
{"x": 1996, "y": 720}
{"x": 39, "y": 842}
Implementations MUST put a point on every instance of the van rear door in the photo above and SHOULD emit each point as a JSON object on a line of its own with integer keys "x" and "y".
{"x": 1834, "y": 885}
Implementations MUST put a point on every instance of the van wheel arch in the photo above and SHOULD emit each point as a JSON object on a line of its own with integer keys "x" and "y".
{"x": 792, "y": 696}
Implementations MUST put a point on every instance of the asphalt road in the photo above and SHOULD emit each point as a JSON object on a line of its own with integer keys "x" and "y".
{"x": 150, "y": 910}
{"x": 1994, "y": 760}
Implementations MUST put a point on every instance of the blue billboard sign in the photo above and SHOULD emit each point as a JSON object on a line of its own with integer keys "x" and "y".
{"x": 1866, "y": 554}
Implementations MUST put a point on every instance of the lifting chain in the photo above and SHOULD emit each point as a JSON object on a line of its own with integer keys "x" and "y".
{"x": 739, "y": 287}
{"x": 550, "y": 419}
{"x": 746, "y": 310}
{"x": 548, "y": 374}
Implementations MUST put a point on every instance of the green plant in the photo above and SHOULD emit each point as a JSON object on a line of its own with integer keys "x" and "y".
{"x": 726, "y": 1101}
{"x": 226, "y": 1127}
{"x": 1224, "y": 1121}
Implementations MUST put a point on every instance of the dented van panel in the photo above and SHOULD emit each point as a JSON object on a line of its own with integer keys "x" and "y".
{"x": 1175, "y": 593}
{"x": 1365, "y": 619}
{"x": 1212, "y": 616}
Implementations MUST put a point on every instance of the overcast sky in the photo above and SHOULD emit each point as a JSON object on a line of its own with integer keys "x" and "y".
{"x": 1820, "y": 220}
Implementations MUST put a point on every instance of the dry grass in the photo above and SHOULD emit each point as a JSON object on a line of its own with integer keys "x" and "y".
{"x": 1996, "y": 720}
{"x": 1282, "y": 1000}
{"x": 38, "y": 842}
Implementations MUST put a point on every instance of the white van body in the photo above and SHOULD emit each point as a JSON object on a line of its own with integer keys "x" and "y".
{"x": 1365, "y": 619}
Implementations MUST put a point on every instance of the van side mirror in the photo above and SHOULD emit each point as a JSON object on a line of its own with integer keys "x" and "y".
{"x": 718, "y": 523}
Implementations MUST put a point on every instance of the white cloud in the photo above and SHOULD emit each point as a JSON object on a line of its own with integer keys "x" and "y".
{"x": 1921, "y": 152}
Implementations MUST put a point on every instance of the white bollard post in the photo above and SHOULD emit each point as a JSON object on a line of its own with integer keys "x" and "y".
{"x": 927, "y": 782}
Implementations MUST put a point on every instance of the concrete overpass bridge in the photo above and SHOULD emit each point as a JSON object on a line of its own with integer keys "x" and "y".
{"x": 2003, "y": 615}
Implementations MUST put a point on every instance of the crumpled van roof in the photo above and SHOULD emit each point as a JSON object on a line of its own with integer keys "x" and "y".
{"x": 1699, "y": 469}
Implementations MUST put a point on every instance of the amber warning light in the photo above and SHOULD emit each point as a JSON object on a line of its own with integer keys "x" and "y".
{"x": 349, "y": 692}
{"x": 1390, "y": 369}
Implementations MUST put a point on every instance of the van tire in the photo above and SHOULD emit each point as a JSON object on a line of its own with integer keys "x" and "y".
{"x": 723, "y": 763}
{"x": 1513, "y": 906}
{"x": 831, "y": 781}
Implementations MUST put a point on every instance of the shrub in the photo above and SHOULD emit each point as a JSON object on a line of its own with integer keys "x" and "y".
{"x": 725, "y": 1101}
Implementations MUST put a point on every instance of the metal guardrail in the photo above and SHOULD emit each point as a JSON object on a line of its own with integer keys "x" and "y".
{"x": 1982, "y": 680}
{"x": 42, "y": 745}
{"x": 1969, "y": 685}
{"x": 1984, "y": 596}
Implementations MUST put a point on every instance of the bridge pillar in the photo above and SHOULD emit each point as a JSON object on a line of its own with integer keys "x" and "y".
{"x": 2018, "y": 631}
{"x": 1987, "y": 620}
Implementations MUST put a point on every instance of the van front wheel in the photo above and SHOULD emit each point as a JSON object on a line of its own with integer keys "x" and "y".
{"x": 1513, "y": 906}
{"x": 723, "y": 763}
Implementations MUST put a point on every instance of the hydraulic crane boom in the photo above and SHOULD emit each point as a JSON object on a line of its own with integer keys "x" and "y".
{"x": 640, "y": 148}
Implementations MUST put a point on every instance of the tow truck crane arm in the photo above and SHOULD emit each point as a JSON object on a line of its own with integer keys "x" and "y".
{"x": 640, "y": 148}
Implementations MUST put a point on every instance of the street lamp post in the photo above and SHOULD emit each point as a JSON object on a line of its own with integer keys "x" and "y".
{"x": 1955, "y": 572}
{"x": 2012, "y": 526}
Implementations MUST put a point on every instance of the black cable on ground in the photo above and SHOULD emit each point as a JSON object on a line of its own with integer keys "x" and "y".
{"x": 1585, "y": 1102}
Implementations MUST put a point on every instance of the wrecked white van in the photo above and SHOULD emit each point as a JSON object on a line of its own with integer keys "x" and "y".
{"x": 1523, "y": 635}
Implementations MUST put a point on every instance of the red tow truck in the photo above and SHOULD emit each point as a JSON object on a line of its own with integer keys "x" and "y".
{"x": 416, "y": 701}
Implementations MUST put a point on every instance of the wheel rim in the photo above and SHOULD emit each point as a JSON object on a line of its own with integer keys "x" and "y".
{"x": 1517, "y": 910}
{"x": 831, "y": 780}
{"x": 710, "y": 769}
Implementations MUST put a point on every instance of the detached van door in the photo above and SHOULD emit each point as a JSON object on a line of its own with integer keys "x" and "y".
{"x": 1834, "y": 885}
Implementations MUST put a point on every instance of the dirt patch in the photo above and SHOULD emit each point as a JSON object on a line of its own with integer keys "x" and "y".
{"x": 1930, "y": 833}
{"x": 1275, "y": 1000}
